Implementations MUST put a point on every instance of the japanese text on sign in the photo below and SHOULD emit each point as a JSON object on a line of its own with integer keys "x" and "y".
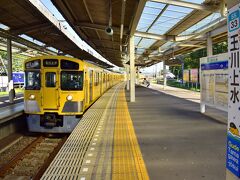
{"x": 233, "y": 138}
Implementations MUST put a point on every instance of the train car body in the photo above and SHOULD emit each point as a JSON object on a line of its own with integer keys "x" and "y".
{"x": 59, "y": 89}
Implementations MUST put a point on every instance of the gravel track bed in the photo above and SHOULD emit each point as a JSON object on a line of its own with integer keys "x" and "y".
{"x": 32, "y": 162}
{"x": 8, "y": 154}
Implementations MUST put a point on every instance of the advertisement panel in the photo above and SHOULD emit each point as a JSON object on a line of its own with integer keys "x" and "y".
{"x": 186, "y": 76}
{"x": 233, "y": 138}
{"x": 194, "y": 75}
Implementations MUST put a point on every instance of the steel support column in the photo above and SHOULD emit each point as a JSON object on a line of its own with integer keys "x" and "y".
{"x": 10, "y": 81}
{"x": 209, "y": 45}
{"x": 132, "y": 68}
{"x": 164, "y": 75}
{"x": 127, "y": 74}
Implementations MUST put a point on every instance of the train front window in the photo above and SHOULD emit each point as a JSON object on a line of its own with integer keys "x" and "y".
{"x": 71, "y": 80}
{"x": 33, "y": 80}
{"x": 50, "y": 79}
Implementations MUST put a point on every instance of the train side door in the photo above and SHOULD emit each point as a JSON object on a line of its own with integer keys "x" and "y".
{"x": 86, "y": 88}
{"x": 91, "y": 85}
{"x": 50, "y": 90}
{"x": 101, "y": 82}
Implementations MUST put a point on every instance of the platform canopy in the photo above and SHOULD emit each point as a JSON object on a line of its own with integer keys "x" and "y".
{"x": 168, "y": 28}
{"x": 90, "y": 18}
{"x": 162, "y": 28}
{"x": 31, "y": 19}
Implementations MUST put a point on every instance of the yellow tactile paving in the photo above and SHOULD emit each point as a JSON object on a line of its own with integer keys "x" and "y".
{"x": 127, "y": 158}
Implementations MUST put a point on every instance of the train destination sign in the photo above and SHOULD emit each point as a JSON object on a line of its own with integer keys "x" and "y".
{"x": 50, "y": 63}
{"x": 35, "y": 64}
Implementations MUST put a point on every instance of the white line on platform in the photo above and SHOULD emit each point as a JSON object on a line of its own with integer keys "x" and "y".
{"x": 88, "y": 161}
{"x": 85, "y": 169}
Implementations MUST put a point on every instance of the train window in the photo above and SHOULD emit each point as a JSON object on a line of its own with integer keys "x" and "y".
{"x": 50, "y": 63}
{"x": 50, "y": 79}
{"x": 71, "y": 80}
{"x": 33, "y": 80}
{"x": 96, "y": 79}
{"x": 65, "y": 64}
{"x": 35, "y": 64}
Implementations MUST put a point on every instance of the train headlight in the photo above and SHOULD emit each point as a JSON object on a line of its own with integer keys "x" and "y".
{"x": 69, "y": 97}
{"x": 32, "y": 97}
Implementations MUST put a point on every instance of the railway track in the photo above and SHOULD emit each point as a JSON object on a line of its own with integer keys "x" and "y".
{"x": 31, "y": 161}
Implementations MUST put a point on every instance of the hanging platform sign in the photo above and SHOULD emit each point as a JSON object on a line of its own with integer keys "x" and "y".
{"x": 233, "y": 136}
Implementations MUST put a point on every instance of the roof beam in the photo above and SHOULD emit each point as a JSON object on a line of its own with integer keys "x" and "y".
{"x": 31, "y": 28}
{"x": 155, "y": 20}
{"x": 137, "y": 16}
{"x": 155, "y": 36}
{"x": 214, "y": 30}
{"x": 185, "y": 4}
{"x": 192, "y": 45}
{"x": 104, "y": 41}
{"x": 6, "y": 34}
{"x": 60, "y": 27}
{"x": 90, "y": 16}
{"x": 100, "y": 27}
{"x": 108, "y": 50}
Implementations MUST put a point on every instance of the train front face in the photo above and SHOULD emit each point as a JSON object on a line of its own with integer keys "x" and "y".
{"x": 53, "y": 98}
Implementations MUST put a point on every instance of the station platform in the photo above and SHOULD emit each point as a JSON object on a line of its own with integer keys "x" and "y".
{"x": 157, "y": 137}
{"x": 4, "y": 100}
{"x": 11, "y": 111}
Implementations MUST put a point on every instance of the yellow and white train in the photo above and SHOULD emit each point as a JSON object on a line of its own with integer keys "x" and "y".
{"x": 59, "y": 89}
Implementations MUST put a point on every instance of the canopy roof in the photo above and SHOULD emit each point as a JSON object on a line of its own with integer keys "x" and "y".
{"x": 30, "y": 19}
{"x": 162, "y": 28}
{"x": 166, "y": 24}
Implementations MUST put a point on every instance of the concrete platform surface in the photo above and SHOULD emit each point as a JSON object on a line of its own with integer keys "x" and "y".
{"x": 4, "y": 100}
{"x": 193, "y": 96}
{"x": 11, "y": 111}
{"x": 177, "y": 141}
{"x": 103, "y": 145}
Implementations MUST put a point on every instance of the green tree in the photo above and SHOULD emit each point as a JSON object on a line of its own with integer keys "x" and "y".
{"x": 17, "y": 62}
{"x": 221, "y": 47}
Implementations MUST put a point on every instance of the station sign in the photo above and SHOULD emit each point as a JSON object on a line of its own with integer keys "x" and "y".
{"x": 233, "y": 136}
{"x": 214, "y": 81}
